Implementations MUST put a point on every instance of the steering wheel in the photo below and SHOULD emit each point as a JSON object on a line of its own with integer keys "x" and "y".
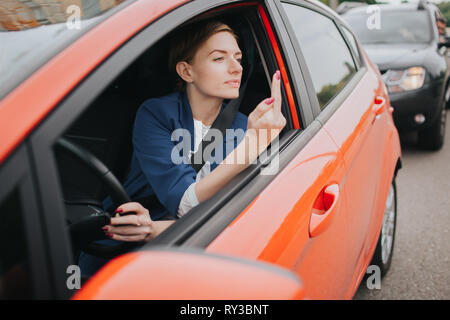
{"x": 91, "y": 216}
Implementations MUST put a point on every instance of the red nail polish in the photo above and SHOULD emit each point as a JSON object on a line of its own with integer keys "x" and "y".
{"x": 104, "y": 228}
{"x": 277, "y": 74}
{"x": 109, "y": 235}
{"x": 119, "y": 210}
{"x": 269, "y": 101}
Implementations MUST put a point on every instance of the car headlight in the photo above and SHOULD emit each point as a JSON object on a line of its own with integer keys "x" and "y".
{"x": 404, "y": 80}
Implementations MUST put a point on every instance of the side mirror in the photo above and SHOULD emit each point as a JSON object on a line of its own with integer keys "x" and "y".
{"x": 190, "y": 275}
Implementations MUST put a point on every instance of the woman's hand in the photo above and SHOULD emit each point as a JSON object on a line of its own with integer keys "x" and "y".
{"x": 135, "y": 227}
{"x": 267, "y": 120}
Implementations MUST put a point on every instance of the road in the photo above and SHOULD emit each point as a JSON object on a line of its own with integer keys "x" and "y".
{"x": 420, "y": 267}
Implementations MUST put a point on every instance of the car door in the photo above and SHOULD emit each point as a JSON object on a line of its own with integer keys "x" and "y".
{"x": 352, "y": 110}
{"x": 296, "y": 216}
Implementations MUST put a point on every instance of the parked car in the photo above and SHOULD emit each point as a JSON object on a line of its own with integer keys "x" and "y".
{"x": 308, "y": 230}
{"x": 409, "y": 48}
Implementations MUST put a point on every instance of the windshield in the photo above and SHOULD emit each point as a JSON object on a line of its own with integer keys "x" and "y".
{"x": 394, "y": 27}
{"x": 32, "y": 32}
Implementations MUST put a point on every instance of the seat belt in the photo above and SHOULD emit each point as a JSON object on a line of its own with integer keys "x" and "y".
{"x": 226, "y": 117}
{"x": 222, "y": 123}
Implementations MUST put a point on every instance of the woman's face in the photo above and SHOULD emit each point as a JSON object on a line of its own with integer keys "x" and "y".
{"x": 216, "y": 67}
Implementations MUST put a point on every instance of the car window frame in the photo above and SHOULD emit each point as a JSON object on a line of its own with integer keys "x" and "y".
{"x": 322, "y": 115}
{"x": 357, "y": 56}
{"x": 299, "y": 85}
{"x": 77, "y": 101}
{"x": 310, "y": 91}
{"x": 16, "y": 173}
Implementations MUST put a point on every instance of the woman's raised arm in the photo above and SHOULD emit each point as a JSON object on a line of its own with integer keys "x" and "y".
{"x": 264, "y": 124}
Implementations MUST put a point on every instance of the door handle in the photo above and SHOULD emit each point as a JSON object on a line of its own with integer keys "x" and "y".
{"x": 324, "y": 209}
{"x": 379, "y": 105}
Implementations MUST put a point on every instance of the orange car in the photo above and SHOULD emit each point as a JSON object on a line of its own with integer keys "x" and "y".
{"x": 310, "y": 229}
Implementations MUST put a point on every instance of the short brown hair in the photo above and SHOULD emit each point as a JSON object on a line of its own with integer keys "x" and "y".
{"x": 185, "y": 43}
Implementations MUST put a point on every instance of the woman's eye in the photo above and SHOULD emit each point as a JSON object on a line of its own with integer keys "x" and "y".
{"x": 221, "y": 58}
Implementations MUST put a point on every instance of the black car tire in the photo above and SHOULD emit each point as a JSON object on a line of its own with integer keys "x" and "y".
{"x": 432, "y": 138}
{"x": 386, "y": 238}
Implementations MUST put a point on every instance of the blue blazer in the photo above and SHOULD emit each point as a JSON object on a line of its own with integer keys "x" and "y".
{"x": 152, "y": 169}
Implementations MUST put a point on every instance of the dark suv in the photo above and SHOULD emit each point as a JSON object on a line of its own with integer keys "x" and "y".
{"x": 408, "y": 44}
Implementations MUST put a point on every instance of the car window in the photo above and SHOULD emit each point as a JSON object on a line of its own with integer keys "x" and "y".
{"x": 404, "y": 26}
{"x": 14, "y": 273}
{"x": 352, "y": 42}
{"x": 326, "y": 53}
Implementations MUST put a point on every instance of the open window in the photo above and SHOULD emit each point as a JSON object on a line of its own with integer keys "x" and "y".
{"x": 92, "y": 153}
{"x": 105, "y": 128}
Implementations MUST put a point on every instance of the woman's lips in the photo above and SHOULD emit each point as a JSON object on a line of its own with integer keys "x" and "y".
{"x": 234, "y": 83}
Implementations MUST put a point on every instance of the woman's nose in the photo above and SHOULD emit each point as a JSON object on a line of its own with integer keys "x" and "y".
{"x": 235, "y": 66}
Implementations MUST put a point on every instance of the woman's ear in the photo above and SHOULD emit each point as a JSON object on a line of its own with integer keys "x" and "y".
{"x": 184, "y": 71}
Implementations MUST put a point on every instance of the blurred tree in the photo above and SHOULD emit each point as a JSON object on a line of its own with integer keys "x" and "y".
{"x": 445, "y": 9}
{"x": 334, "y": 4}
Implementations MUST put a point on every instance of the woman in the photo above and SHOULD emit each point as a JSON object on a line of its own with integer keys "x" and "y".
{"x": 207, "y": 60}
